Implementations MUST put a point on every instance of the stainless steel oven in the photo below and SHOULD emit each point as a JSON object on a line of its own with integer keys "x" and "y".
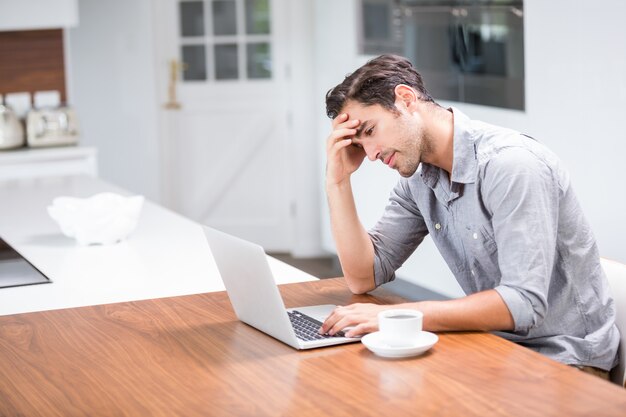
{"x": 467, "y": 51}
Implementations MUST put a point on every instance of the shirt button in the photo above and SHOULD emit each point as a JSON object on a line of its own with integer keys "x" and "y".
{"x": 437, "y": 226}
{"x": 475, "y": 235}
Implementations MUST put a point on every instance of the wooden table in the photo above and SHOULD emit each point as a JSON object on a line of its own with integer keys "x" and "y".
{"x": 189, "y": 356}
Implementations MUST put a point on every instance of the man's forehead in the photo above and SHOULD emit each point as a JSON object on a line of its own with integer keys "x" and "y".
{"x": 354, "y": 109}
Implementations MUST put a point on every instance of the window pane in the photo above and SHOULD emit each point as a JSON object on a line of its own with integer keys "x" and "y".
{"x": 226, "y": 67}
{"x": 257, "y": 16}
{"x": 259, "y": 60}
{"x": 195, "y": 58}
{"x": 224, "y": 17}
{"x": 191, "y": 18}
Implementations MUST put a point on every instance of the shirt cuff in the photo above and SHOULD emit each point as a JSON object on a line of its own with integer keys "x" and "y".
{"x": 380, "y": 275}
{"x": 520, "y": 308}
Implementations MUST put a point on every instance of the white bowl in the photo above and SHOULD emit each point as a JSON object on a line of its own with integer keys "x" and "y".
{"x": 104, "y": 218}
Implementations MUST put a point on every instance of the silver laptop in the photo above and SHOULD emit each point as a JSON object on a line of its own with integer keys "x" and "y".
{"x": 256, "y": 299}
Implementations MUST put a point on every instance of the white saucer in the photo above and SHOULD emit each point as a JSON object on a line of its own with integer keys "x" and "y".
{"x": 374, "y": 343}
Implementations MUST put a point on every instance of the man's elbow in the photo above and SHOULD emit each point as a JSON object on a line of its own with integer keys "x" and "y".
{"x": 360, "y": 286}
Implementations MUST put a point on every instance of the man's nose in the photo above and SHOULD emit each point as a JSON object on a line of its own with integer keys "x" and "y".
{"x": 371, "y": 151}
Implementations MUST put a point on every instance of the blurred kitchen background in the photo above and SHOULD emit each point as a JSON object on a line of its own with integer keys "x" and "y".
{"x": 215, "y": 108}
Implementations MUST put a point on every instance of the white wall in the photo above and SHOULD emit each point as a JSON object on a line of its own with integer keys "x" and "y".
{"x": 575, "y": 57}
{"x": 37, "y": 14}
{"x": 113, "y": 87}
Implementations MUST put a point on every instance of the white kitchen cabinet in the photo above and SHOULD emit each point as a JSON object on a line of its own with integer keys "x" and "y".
{"x": 38, "y": 14}
{"x": 48, "y": 162}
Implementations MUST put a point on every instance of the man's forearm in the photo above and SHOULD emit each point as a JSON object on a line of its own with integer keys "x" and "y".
{"x": 484, "y": 310}
{"x": 354, "y": 247}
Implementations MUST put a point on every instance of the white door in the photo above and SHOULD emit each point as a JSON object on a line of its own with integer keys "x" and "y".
{"x": 225, "y": 152}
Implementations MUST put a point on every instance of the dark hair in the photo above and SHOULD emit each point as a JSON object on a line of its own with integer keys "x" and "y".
{"x": 374, "y": 83}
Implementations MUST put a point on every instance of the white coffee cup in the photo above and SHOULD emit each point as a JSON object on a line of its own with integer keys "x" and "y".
{"x": 400, "y": 327}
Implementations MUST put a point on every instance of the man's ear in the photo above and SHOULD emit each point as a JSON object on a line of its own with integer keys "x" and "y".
{"x": 406, "y": 97}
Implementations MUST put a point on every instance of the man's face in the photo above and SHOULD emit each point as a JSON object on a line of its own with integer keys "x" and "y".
{"x": 395, "y": 139}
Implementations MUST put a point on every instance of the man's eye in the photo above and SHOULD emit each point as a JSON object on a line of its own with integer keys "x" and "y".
{"x": 369, "y": 131}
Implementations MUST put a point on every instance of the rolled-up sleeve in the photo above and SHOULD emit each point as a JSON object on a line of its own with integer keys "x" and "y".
{"x": 522, "y": 194}
{"x": 397, "y": 234}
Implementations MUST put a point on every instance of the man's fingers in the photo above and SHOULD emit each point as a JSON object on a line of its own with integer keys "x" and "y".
{"x": 330, "y": 321}
{"x": 348, "y": 124}
{"x": 333, "y": 318}
{"x": 343, "y": 317}
{"x": 342, "y": 129}
{"x": 342, "y": 324}
{"x": 345, "y": 123}
{"x": 342, "y": 144}
{"x": 340, "y": 119}
{"x": 361, "y": 329}
{"x": 343, "y": 134}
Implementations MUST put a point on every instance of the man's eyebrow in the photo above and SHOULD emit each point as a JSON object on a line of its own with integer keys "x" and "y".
{"x": 361, "y": 128}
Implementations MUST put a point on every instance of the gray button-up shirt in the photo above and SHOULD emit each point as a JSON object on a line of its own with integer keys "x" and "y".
{"x": 507, "y": 219}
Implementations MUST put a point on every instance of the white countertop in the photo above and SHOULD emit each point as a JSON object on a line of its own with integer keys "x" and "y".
{"x": 45, "y": 154}
{"x": 167, "y": 255}
{"x": 48, "y": 162}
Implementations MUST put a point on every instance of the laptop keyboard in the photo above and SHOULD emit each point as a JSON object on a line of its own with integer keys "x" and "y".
{"x": 307, "y": 328}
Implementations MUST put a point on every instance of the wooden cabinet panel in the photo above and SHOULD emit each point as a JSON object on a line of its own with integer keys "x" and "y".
{"x": 32, "y": 61}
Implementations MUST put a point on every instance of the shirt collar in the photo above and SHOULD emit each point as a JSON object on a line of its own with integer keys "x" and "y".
{"x": 464, "y": 163}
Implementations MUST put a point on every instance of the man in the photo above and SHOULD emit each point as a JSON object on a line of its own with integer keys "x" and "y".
{"x": 498, "y": 205}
